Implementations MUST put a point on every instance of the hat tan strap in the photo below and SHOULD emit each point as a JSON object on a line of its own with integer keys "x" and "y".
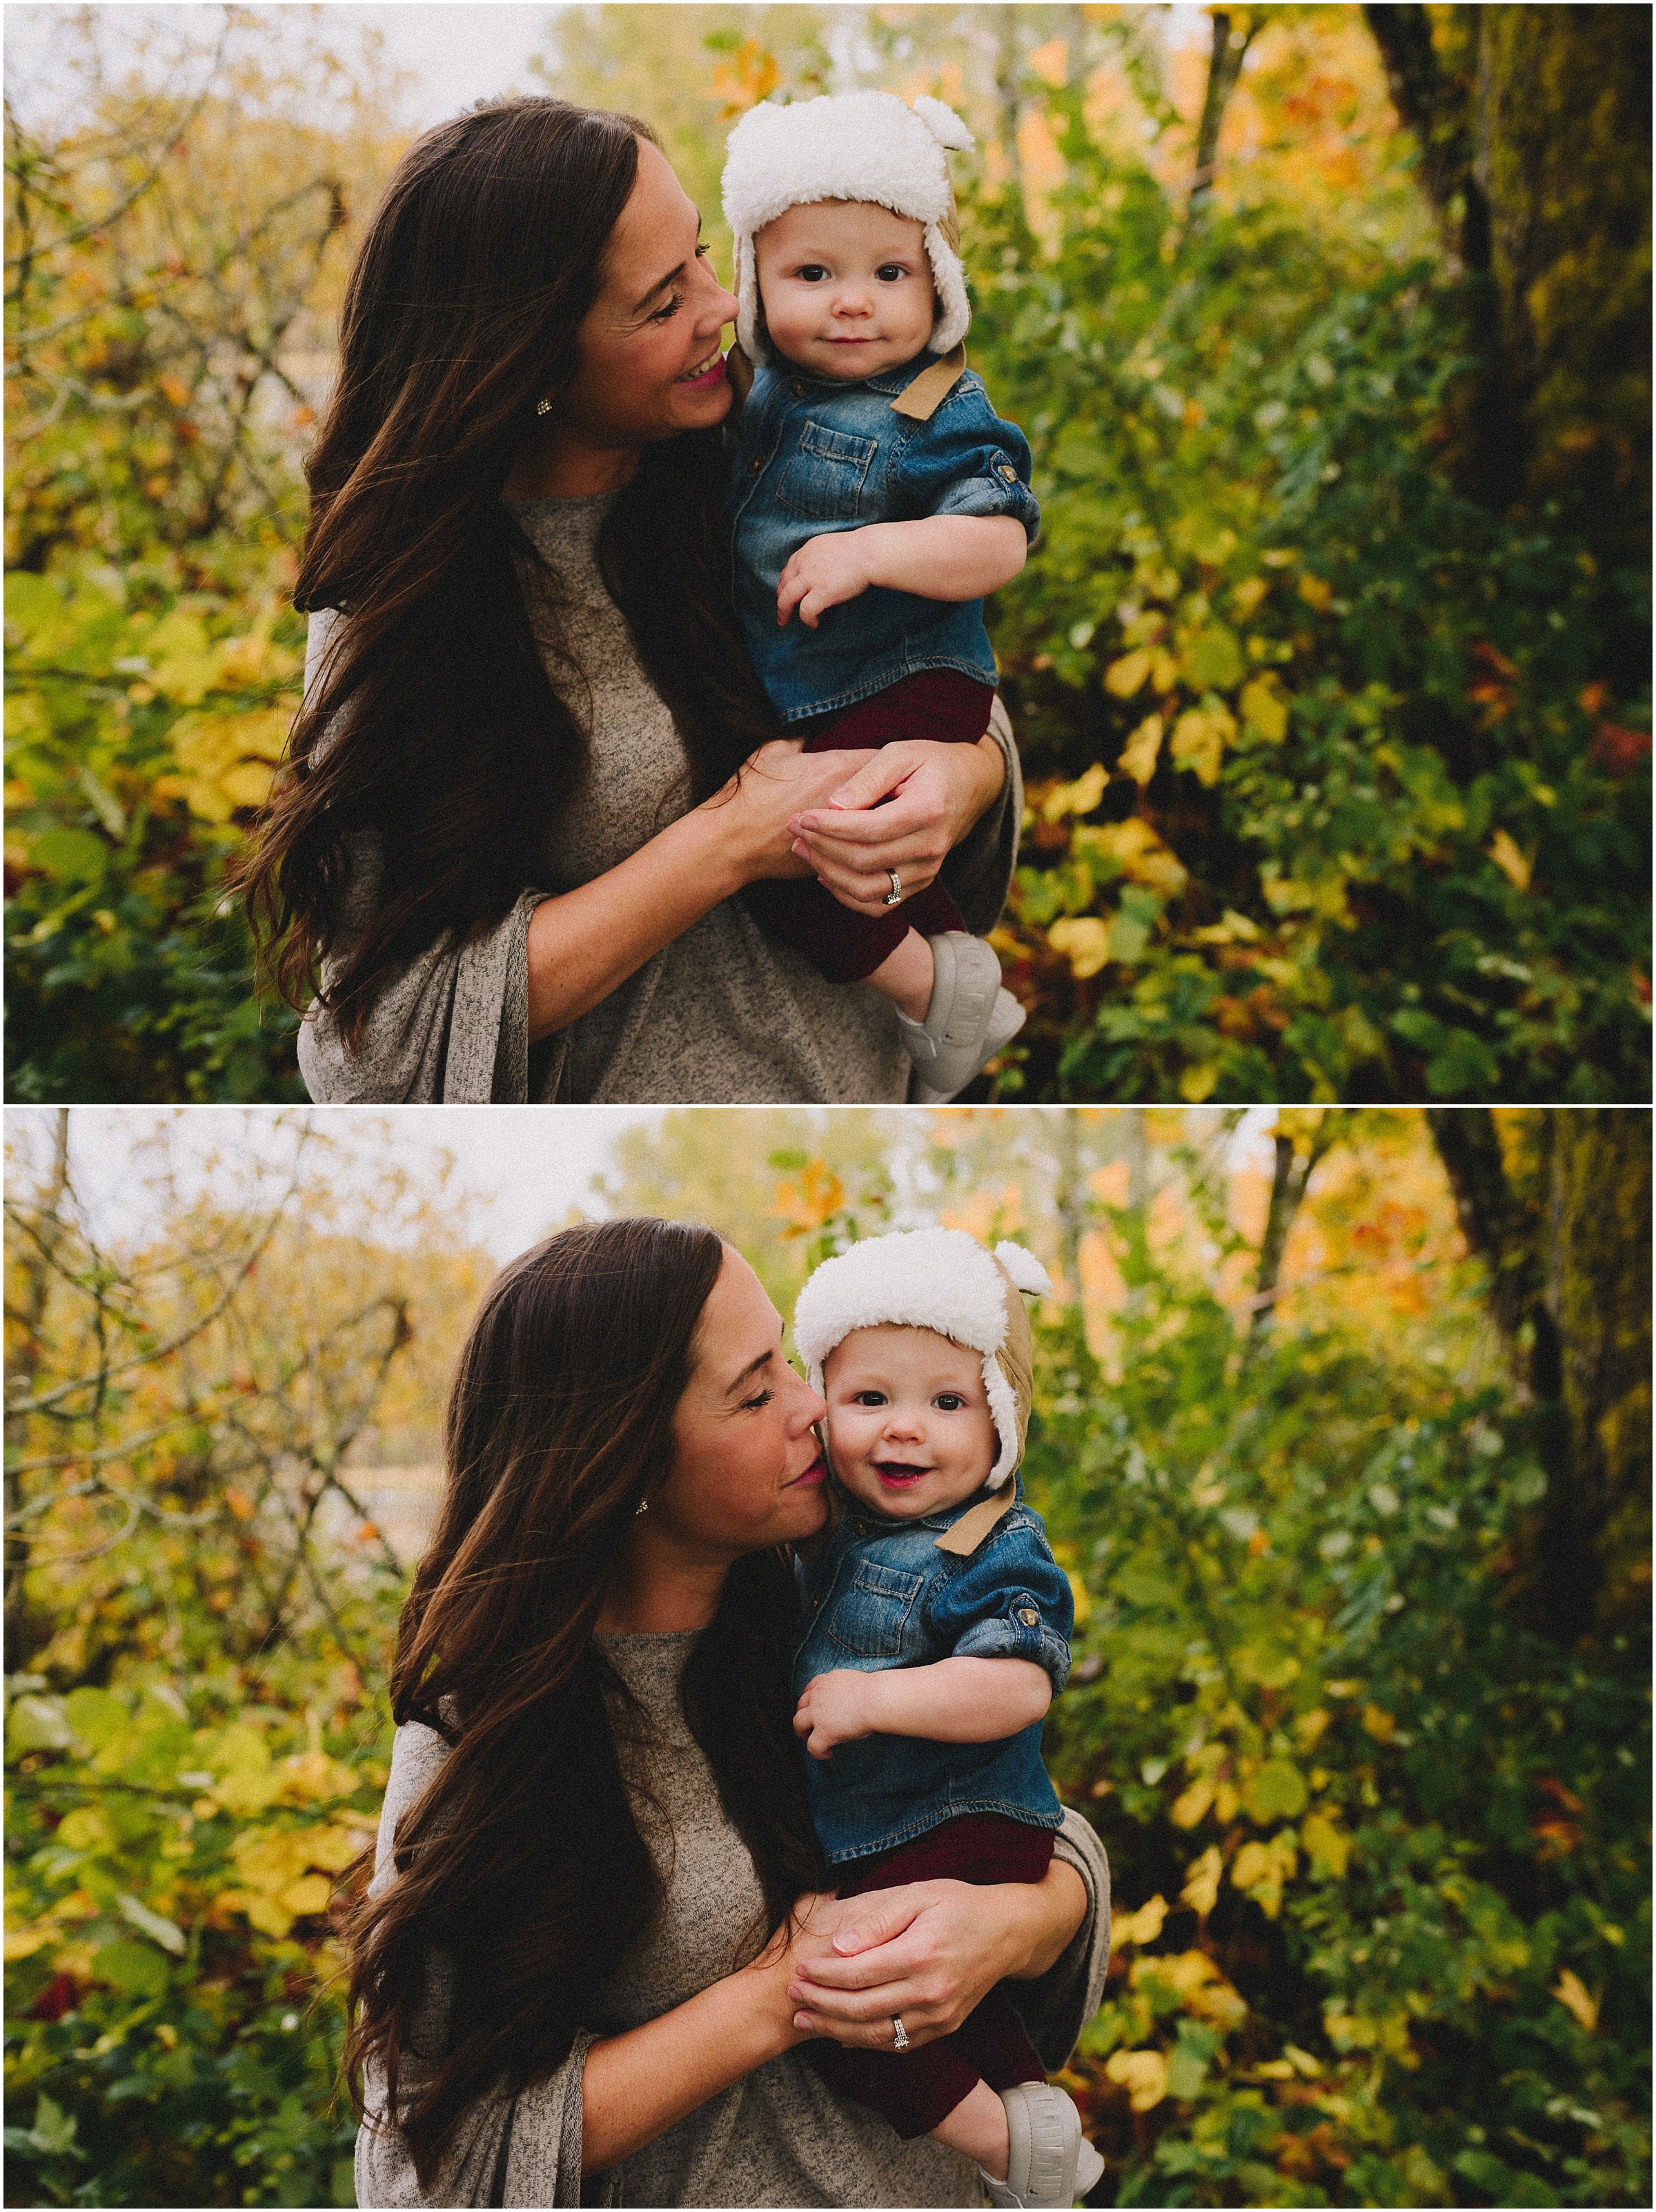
{"x": 922, "y": 398}
{"x": 970, "y": 1530}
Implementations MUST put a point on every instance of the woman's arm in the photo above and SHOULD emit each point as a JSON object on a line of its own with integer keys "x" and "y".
{"x": 585, "y": 943}
{"x": 933, "y": 1950}
{"x": 639, "y": 2084}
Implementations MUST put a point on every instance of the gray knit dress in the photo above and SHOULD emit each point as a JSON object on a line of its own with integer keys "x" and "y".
{"x": 723, "y": 1016}
{"x": 779, "y": 2135}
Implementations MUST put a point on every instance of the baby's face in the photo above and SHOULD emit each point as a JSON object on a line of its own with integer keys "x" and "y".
{"x": 847, "y": 287}
{"x": 908, "y": 1423}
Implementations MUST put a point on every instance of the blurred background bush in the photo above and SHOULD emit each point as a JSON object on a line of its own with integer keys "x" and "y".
{"x": 1329, "y": 329}
{"x": 1341, "y": 1433}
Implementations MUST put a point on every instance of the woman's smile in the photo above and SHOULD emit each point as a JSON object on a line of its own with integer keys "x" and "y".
{"x": 706, "y": 374}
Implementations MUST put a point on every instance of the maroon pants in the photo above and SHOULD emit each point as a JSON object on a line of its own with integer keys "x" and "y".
{"x": 916, "y": 2090}
{"x": 843, "y": 946}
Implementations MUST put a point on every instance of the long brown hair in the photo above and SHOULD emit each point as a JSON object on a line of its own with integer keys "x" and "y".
{"x": 521, "y": 1868}
{"x": 445, "y": 735}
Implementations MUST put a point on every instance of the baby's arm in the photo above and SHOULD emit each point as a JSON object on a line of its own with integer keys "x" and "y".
{"x": 940, "y": 556}
{"x": 951, "y": 1701}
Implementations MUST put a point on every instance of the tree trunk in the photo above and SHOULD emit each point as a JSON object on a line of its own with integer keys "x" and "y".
{"x": 1533, "y": 124}
{"x": 1560, "y": 1216}
{"x": 1233, "y": 34}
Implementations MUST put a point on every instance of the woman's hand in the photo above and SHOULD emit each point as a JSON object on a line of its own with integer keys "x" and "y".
{"x": 757, "y": 810}
{"x": 936, "y": 794}
{"x": 929, "y": 1952}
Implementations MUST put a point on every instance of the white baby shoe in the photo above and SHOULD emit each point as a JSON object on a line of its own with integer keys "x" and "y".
{"x": 969, "y": 1019}
{"x": 1049, "y": 2161}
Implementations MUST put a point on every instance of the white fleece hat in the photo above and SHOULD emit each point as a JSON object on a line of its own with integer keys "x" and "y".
{"x": 851, "y": 146}
{"x": 942, "y": 1280}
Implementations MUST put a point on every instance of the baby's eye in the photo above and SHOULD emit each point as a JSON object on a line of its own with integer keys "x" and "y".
{"x": 868, "y": 1398}
{"x": 948, "y": 1401}
{"x": 891, "y": 273}
{"x": 812, "y": 273}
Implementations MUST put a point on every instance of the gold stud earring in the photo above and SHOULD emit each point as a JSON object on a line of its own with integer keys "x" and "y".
{"x": 643, "y": 1507}
{"x": 544, "y": 407}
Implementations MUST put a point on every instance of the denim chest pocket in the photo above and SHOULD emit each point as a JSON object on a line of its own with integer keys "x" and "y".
{"x": 824, "y": 479}
{"x": 869, "y": 1619}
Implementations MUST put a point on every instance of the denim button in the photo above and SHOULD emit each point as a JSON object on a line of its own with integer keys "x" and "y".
{"x": 796, "y": 388}
{"x": 754, "y": 467}
{"x": 1027, "y": 1615}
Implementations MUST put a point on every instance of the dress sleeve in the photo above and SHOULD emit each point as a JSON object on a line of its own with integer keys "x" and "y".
{"x": 977, "y": 873}
{"x": 1055, "y": 2009}
{"x": 452, "y": 1027}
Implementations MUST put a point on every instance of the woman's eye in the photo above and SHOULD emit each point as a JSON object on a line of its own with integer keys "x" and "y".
{"x": 753, "y": 1405}
{"x": 665, "y": 314}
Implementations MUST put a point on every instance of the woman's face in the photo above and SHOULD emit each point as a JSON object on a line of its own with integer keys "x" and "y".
{"x": 746, "y": 1471}
{"x": 650, "y": 359}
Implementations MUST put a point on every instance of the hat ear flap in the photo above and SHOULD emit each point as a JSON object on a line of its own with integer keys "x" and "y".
{"x": 749, "y": 330}
{"x": 954, "y": 309}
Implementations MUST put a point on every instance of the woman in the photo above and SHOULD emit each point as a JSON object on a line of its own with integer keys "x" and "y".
{"x": 580, "y": 1957}
{"x": 533, "y": 770}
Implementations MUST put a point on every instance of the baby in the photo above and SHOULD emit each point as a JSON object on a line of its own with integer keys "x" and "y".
{"x": 936, "y": 1630}
{"x": 868, "y": 466}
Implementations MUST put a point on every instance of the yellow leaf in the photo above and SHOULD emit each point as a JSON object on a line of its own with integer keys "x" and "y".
{"x": 1077, "y": 797}
{"x": 1248, "y": 594}
{"x": 268, "y": 1859}
{"x": 313, "y": 1775}
{"x": 1199, "y": 738}
{"x": 1164, "y": 671}
{"x": 1139, "y": 753}
{"x": 1201, "y": 1890}
{"x": 1143, "y": 2074}
{"x": 1139, "y": 853}
{"x": 1084, "y": 940}
{"x": 1577, "y": 1999}
{"x": 308, "y": 1895}
{"x": 1079, "y": 1591}
{"x": 1124, "y": 677}
{"x": 333, "y": 1848}
{"x": 1330, "y": 1847}
{"x": 1141, "y": 1926}
{"x": 24, "y": 1942}
{"x": 1264, "y": 709}
{"x": 1381, "y": 1725}
{"x": 1197, "y": 1082}
{"x": 1190, "y": 1805}
{"x": 1513, "y": 862}
{"x": 1315, "y": 592}
{"x": 249, "y": 784}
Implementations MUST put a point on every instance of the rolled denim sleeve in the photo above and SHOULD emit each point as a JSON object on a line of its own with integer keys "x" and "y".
{"x": 966, "y": 460}
{"x": 1010, "y": 1600}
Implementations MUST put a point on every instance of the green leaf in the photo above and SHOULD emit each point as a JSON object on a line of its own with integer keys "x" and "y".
{"x": 1275, "y": 1790}
{"x": 99, "y": 1719}
{"x": 69, "y": 856}
{"x": 137, "y": 1970}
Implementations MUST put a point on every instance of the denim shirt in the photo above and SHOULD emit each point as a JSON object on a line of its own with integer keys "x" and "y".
{"x": 808, "y": 457}
{"x": 880, "y": 1593}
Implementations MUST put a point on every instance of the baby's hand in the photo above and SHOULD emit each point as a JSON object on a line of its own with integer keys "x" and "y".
{"x": 834, "y": 1709}
{"x": 823, "y": 573}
